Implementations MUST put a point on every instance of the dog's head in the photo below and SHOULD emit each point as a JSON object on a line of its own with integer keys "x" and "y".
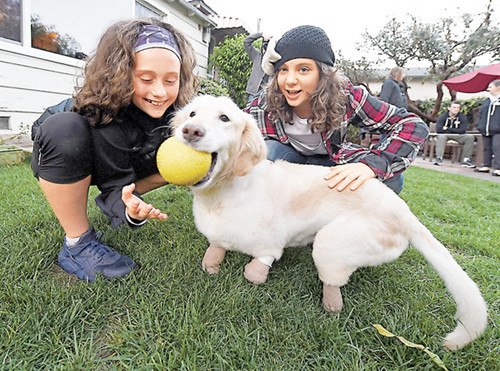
{"x": 217, "y": 126}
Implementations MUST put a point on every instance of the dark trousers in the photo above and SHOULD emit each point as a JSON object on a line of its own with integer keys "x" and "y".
{"x": 280, "y": 151}
{"x": 491, "y": 151}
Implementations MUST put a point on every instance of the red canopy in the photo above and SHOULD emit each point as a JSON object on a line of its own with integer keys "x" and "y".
{"x": 475, "y": 81}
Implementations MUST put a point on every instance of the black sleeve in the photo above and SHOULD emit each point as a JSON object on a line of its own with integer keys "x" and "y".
{"x": 112, "y": 170}
{"x": 386, "y": 91}
{"x": 440, "y": 123}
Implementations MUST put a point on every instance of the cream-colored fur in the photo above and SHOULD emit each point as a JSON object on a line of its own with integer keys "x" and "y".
{"x": 257, "y": 207}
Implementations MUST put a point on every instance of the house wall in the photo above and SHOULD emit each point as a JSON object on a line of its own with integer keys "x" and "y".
{"x": 423, "y": 88}
{"x": 33, "y": 79}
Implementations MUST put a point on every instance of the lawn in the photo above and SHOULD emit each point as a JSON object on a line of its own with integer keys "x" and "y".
{"x": 170, "y": 315}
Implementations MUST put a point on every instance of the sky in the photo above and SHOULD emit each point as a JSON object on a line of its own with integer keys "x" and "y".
{"x": 343, "y": 21}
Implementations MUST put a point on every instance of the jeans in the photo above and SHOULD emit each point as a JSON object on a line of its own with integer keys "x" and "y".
{"x": 280, "y": 151}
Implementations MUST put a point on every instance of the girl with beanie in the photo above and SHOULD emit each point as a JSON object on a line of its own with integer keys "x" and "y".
{"x": 304, "y": 112}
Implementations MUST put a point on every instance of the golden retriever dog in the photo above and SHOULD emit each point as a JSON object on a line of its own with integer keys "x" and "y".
{"x": 258, "y": 207}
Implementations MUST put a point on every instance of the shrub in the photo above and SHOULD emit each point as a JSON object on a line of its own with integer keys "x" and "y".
{"x": 232, "y": 67}
{"x": 470, "y": 108}
{"x": 211, "y": 87}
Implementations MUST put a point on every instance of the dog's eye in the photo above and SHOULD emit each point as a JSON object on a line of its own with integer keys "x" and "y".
{"x": 192, "y": 114}
{"x": 224, "y": 118}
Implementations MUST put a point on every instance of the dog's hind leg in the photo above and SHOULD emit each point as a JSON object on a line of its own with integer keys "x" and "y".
{"x": 332, "y": 298}
{"x": 343, "y": 246}
{"x": 212, "y": 259}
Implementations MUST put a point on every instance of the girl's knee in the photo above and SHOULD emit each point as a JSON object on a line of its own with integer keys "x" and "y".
{"x": 66, "y": 133}
{"x": 62, "y": 152}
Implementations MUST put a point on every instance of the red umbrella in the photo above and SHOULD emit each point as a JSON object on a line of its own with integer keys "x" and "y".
{"x": 475, "y": 81}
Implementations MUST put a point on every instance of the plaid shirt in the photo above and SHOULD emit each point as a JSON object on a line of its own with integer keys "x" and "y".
{"x": 404, "y": 132}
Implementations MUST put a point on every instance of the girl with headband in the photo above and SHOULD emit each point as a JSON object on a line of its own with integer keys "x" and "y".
{"x": 306, "y": 109}
{"x": 141, "y": 71}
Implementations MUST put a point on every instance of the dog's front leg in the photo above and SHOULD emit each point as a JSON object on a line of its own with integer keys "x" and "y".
{"x": 258, "y": 269}
{"x": 332, "y": 298}
{"x": 212, "y": 259}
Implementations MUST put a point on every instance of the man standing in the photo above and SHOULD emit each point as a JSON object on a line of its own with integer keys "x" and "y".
{"x": 453, "y": 125}
{"x": 257, "y": 77}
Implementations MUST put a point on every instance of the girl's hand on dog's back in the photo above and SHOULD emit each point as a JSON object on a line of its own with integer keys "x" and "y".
{"x": 350, "y": 176}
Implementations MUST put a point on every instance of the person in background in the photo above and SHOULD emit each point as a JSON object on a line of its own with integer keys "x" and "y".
{"x": 257, "y": 77}
{"x": 141, "y": 71}
{"x": 489, "y": 127}
{"x": 305, "y": 110}
{"x": 394, "y": 89}
{"x": 453, "y": 125}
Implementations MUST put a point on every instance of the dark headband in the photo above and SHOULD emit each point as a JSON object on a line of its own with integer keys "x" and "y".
{"x": 152, "y": 36}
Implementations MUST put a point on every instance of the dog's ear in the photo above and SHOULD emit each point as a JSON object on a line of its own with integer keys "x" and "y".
{"x": 180, "y": 117}
{"x": 252, "y": 150}
{"x": 176, "y": 120}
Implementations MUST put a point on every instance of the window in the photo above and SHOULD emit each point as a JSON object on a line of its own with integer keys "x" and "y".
{"x": 10, "y": 19}
{"x": 68, "y": 27}
{"x": 4, "y": 123}
{"x": 206, "y": 35}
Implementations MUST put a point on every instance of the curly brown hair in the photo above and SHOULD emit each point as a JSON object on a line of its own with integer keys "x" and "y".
{"x": 328, "y": 101}
{"x": 108, "y": 74}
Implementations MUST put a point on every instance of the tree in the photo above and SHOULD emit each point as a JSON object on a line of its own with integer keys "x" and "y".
{"x": 451, "y": 46}
{"x": 232, "y": 67}
{"x": 46, "y": 37}
{"x": 359, "y": 71}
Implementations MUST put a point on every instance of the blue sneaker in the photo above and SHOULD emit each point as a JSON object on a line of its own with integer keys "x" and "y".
{"x": 90, "y": 256}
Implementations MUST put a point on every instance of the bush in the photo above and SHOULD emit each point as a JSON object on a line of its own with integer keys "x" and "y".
{"x": 232, "y": 67}
{"x": 211, "y": 87}
{"x": 470, "y": 108}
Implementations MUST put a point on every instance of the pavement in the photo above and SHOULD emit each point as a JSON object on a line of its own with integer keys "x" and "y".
{"x": 454, "y": 168}
{"x": 26, "y": 144}
{"x": 21, "y": 140}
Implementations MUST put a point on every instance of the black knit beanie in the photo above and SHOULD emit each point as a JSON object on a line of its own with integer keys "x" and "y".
{"x": 304, "y": 42}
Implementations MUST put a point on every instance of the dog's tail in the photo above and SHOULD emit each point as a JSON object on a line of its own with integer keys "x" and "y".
{"x": 471, "y": 313}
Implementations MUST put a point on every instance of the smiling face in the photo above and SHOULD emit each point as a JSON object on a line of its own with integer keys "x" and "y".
{"x": 297, "y": 80}
{"x": 454, "y": 109}
{"x": 156, "y": 79}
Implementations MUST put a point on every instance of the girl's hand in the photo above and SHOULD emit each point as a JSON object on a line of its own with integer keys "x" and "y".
{"x": 349, "y": 175}
{"x": 137, "y": 209}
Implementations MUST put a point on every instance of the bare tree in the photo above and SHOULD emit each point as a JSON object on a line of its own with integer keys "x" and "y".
{"x": 359, "y": 71}
{"x": 451, "y": 46}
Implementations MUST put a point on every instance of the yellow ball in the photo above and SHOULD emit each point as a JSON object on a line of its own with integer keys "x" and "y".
{"x": 181, "y": 164}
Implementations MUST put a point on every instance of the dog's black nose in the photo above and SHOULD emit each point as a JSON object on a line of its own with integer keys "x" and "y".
{"x": 193, "y": 133}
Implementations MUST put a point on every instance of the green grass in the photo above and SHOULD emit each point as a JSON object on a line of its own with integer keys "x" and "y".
{"x": 169, "y": 314}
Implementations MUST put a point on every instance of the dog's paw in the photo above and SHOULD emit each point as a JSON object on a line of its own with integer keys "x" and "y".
{"x": 212, "y": 259}
{"x": 256, "y": 272}
{"x": 214, "y": 269}
{"x": 332, "y": 298}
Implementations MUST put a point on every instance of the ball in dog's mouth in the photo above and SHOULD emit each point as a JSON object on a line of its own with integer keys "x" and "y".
{"x": 209, "y": 173}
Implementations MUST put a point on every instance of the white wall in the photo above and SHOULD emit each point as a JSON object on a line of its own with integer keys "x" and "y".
{"x": 423, "y": 89}
{"x": 33, "y": 79}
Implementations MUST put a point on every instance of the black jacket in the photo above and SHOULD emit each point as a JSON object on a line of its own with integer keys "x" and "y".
{"x": 393, "y": 92}
{"x": 124, "y": 152}
{"x": 452, "y": 125}
{"x": 489, "y": 117}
